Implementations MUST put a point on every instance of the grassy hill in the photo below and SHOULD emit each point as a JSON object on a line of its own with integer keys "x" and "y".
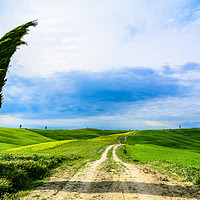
{"x": 83, "y": 148}
{"x": 176, "y": 150}
{"x": 15, "y": 137}
{"x": 68, "y": 134}
{"x": 188, "y": 139}
{"x": 28, "y": 155}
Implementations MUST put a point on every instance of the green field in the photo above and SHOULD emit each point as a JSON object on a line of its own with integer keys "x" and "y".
{"x": 15, "y": 137}
{"x": 188, "y": 139}
{"x": 82, "y": 148}
{"x": 175, "y": 150}
{"x": 64, "y": 134}
{"x": 29, "y": 155}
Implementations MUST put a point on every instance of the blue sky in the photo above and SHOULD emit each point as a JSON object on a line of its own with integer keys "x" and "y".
{"x": 104, "y": 64}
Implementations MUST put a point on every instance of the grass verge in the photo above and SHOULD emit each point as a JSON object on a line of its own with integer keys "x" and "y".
{"x": 172, "y": 151}
{"x": 23, "y": 168}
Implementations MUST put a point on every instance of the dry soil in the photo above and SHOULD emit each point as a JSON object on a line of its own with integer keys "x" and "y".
{"x": 110, "y": 178}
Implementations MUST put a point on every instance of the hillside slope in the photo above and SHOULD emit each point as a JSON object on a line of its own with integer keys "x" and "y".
{"x": 71, "y": 134}
{"x": 15, "y": 137}
{"x": 175, "y": 151}
{"x": 188, "y": 139}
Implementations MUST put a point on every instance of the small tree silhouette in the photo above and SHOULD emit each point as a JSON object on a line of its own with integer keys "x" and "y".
{"x": 8, "y": 45}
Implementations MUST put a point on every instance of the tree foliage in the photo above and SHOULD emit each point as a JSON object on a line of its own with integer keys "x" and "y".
{"x": 8, "y": 45}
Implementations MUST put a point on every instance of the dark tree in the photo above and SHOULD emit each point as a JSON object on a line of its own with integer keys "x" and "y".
{"x": 8, "y": 45}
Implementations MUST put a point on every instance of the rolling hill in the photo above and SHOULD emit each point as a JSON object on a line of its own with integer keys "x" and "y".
{"x": 15, "y": 137}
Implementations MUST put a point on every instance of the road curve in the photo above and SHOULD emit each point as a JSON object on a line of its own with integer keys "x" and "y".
{"x": 108, "y": 178}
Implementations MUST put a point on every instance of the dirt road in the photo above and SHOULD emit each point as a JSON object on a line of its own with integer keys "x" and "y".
{"x": 110, "y": 178}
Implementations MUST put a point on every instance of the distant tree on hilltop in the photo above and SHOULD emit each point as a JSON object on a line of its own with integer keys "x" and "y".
{"x": 8, "y": 45}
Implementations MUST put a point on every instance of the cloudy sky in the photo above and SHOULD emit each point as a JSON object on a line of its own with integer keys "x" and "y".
{"x": 110, "y": 64}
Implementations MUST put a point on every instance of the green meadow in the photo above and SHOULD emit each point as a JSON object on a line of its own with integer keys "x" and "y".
{"x": 66, "y": 134}
{"x": 175, "y": 151}
{"x": 13, "y": 137}
{"x": 29, "y": 155}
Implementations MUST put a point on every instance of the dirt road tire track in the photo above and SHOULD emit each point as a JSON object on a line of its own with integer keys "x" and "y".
{"x": 72, "y": 188}
{"x": 97, "y": 181}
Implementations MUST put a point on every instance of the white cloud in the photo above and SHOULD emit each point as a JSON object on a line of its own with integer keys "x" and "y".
{"x": 103, "y": 122}
{"x": 84, "y": 35}
{"x": 98, "y": 35}
{"x": 156, "y": 124}
{"x": 158, "y": 113}
{"x": 9, "y": 120}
